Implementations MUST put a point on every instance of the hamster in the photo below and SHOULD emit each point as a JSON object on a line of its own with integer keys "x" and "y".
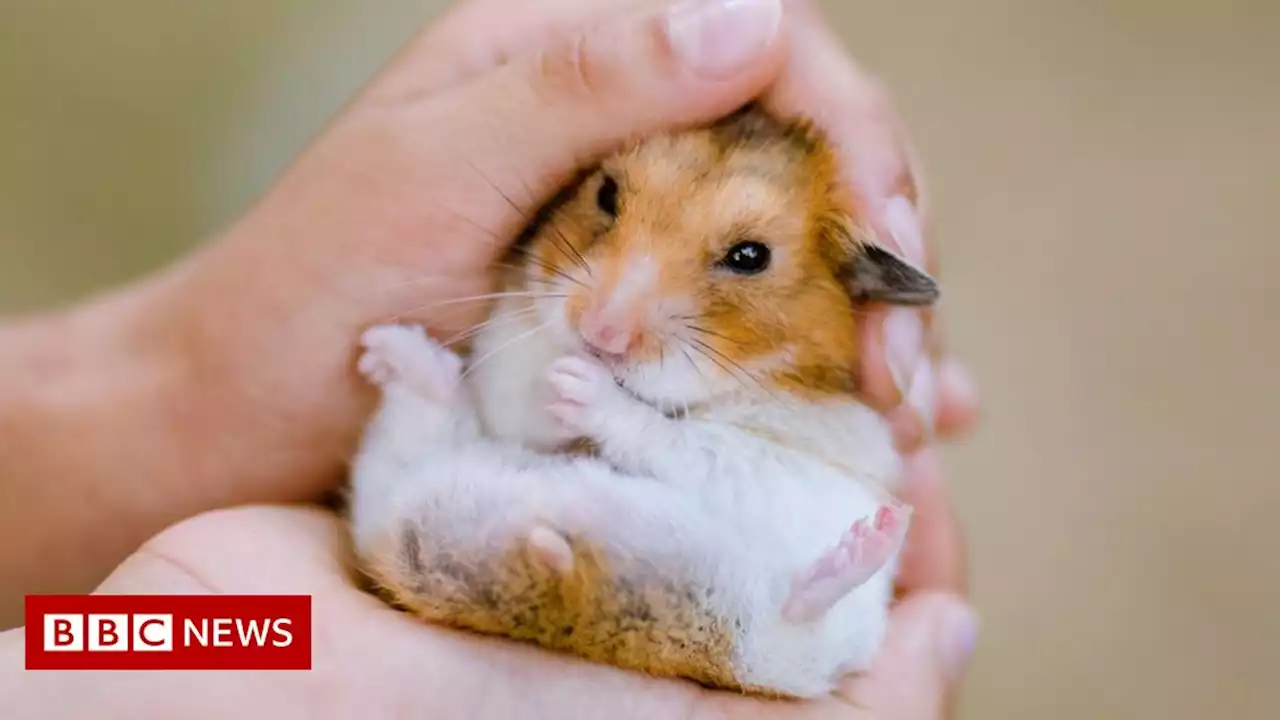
{"x": 653, "y": 456}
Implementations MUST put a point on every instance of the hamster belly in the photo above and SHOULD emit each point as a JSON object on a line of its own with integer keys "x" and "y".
{"x": 781, "y": 540}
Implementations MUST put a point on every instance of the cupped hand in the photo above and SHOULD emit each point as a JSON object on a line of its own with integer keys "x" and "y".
{"x": 369, "y": 660}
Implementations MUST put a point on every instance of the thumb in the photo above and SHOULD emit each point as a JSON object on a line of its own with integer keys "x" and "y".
{"x": 925, "y": 653}
{"x": 527, "y": 126}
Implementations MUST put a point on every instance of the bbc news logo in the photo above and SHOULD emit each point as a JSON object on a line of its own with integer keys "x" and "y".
{"x": 168, "y": 632}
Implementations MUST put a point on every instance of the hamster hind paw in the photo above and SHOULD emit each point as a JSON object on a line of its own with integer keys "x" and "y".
{"x": 551, "y": 549}
{"x": 859, "y": 555}
{"x": 405, "y": 354}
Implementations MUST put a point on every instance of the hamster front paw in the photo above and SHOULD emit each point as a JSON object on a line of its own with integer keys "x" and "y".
{"x": 584, "y": 396}
{"x": 406, "y": 355}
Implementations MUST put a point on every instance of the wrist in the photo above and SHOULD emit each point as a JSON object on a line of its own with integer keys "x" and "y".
{"x": 87, "y": 428}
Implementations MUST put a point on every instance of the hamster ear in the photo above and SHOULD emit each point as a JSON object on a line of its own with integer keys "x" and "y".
{"x": 878, "y": 275}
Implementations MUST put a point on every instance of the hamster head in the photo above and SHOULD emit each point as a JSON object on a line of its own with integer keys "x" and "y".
{"x": 712, "y": 262}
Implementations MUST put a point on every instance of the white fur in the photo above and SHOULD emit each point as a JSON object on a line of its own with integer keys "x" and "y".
{"x": 706, "y": 499}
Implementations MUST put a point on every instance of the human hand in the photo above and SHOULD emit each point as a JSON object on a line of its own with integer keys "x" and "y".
{"x": 369, "y": 660}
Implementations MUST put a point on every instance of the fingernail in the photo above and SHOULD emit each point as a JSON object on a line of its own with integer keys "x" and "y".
{"x": 956, "y": 636}
{"x": 923, "y": 396}
{"x": 904, "y": 224}
{"x": 718, "y": 38}
{"x": 903, "y": 346}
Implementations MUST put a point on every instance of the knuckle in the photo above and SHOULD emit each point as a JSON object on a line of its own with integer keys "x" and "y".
{"x": 574, "y": 68}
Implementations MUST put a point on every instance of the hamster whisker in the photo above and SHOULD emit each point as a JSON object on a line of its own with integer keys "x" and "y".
{"x": 711, "y": 349}
{"x": 524, "y": 215}
{"x": 694, "y": 364}
{"x": 522, "y": 336}
{"x": 712, "y": 358}
{"x": 504, "y": 319}
{"x": 759, "y": 383}
{"x": 704, "y": 331}
{"x": 545, "y": 266}
{"x": 424, "y": 280}
{"x": 566, "y": 245}
{"x": 473, "y": 298}
{"x": 494, "y": 296}
{"x": 382, "y": 290}
{"x": 702, "y": 376}
{"x": 566, "y": 248}
{"x": 495, "y": 240}
{"x": 544, "y": 282}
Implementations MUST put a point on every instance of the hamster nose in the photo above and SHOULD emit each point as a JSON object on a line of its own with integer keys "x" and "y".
{"x": 607, "y": 336}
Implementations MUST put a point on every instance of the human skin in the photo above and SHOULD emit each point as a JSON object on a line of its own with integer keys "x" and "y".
{"x": 227, "y": 379}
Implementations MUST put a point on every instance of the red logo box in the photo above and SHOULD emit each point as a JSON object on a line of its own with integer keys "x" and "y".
{"x": 168, "y": 632}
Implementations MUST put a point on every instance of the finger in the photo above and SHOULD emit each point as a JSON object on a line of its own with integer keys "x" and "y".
{"x": 472, "y": 38}
{"x": 892, "y": 348}
{"x": 958, "y": 402}
{"x": 919, "y": 411}
{"x": 525, "y": 128}
{"x": 942, "y": 401}
{"x": 934, "y": 557}
{"x": 924, "y": 656}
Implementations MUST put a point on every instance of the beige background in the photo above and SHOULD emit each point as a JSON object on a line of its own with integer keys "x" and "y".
{"x": 1106, "y": 177}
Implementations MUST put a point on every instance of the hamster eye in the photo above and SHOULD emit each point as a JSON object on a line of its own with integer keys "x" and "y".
{"x": 607, "y": 196}
{"x": 747, "y": 258}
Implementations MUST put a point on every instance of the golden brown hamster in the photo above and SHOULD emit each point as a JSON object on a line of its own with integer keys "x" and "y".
{"x": 689, "y": 308}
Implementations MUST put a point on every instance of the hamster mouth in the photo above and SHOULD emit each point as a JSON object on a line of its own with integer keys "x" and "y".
{"x": 614, "y": 362}
{"x": 667, "y": 409}
{"x": 610, "y": 360}
{"x": 673, "y": 410}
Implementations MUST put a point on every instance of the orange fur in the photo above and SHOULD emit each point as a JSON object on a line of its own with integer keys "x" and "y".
{"x": 648, "y": 624}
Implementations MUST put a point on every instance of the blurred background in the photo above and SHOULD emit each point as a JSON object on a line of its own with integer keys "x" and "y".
{"x": 1106, "y": 175}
